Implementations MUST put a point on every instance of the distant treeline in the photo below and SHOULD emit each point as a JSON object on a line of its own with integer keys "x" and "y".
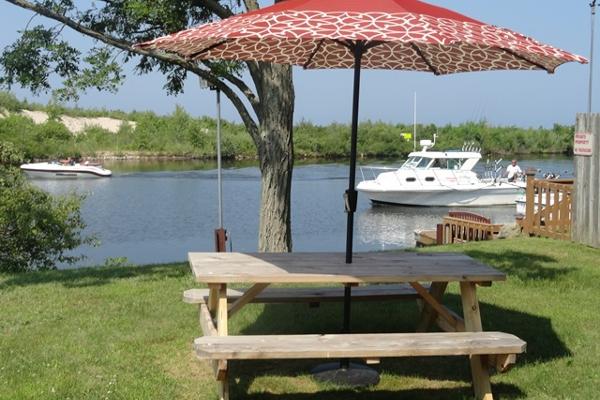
{"x": 181, "y": 135}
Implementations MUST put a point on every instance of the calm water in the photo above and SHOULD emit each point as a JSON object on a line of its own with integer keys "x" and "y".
{"x": 157, "y": 212}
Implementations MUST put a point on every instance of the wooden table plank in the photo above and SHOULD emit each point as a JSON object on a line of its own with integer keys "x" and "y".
{"x": 382, "y": 267}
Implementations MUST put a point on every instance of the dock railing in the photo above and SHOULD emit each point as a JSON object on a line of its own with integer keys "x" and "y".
{"x": 464, "y": 226}
{"x": 548, "y": 208}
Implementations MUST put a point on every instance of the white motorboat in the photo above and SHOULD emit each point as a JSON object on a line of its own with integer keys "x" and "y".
{"x": 56, "y": 169}
{"x": 441, "y": 178}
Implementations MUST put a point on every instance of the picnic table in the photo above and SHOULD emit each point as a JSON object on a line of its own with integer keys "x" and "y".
{"x": 427, "y": 275}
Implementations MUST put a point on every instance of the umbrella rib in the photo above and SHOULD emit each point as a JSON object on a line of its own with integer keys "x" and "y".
{"x": 515, "y": 54}
{"x": 373, "y": 43}
{"x": 312, "y": 55}
{"x": 209, "y": 48}
{"x": 344, "y": 43}
{"x": 422, "y": 55}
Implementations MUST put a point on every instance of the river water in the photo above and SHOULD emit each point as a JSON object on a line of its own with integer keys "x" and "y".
{"x": 155, "y": 212}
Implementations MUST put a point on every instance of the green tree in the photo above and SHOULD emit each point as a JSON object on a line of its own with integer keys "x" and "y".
{"x": 36, "y": 230}
{"x": 116, "y": 26}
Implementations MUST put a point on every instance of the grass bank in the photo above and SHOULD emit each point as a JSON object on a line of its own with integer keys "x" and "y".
{"x": 123, "y": 333}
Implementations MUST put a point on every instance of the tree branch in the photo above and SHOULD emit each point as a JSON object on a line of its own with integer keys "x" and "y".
{"x": 241, "y": 85}
{"x": 252, "y": 5}
{"x": 250, "y": 124}
{"x": 215, "y": 7}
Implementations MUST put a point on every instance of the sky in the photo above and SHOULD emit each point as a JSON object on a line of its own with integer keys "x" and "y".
{"x": 522, "y": 98}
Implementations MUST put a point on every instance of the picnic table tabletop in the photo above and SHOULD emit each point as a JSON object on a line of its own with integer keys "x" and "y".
{"x": 370, "y": 267}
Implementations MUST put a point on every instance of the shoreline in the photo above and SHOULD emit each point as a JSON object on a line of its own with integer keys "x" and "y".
{"x": 134, "y": 156}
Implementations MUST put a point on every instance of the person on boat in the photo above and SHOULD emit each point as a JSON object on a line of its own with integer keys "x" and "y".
{"x": 513, "y": 171}
{"x": 68, "y": 161}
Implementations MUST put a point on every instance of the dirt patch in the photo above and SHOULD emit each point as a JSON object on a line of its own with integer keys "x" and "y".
{"x": 78, "y": 124}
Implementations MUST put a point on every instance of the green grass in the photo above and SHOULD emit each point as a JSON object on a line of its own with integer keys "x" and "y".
{"x": 124, "y": 333}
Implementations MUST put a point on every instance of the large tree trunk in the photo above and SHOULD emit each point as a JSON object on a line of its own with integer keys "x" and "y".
{"x": 276, "y": 154}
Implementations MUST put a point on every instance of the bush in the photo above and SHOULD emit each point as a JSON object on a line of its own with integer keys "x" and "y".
{"x": 9, "y": 102}
{"x": 36, "y": 230}
{"x": 53, "y": 130}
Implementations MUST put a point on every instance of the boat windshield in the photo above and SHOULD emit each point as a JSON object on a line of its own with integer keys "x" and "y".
{"x": 441, "y": 163}
{"x": 417, "y": 162}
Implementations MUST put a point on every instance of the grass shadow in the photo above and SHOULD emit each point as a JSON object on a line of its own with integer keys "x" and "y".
{"x": 525, "y": 266}
{"x": 95, "y": 276}
{"x": 544, "y": 344}
{"x": 501, "y": 391}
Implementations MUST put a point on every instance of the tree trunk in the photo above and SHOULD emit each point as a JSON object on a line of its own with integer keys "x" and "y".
{"x": 276, "y": 154}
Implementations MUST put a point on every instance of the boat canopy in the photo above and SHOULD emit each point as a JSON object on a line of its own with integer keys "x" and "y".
{"x": 463, "y": 160}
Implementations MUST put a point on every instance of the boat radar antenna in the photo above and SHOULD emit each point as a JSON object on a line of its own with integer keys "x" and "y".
{"x": 427, "y": 144}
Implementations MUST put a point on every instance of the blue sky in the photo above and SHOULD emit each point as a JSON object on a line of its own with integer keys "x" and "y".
{"x": 531, "y": 98}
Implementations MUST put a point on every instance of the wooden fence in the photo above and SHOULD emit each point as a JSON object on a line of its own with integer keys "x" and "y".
{"x": 586, "y": 202}
{"x": 462, "y": 226}
{"x": 548, "y": 208}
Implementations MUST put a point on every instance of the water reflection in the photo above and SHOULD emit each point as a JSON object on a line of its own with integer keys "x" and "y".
{"x": 384, "y": 227}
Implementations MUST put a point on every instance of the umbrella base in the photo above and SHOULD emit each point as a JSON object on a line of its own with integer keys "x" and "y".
{"x": 356, "y": 375}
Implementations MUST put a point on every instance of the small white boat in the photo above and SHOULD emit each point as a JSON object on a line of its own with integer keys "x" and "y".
{"x": 60, "y": 170}
{"x": 441, "y": 178}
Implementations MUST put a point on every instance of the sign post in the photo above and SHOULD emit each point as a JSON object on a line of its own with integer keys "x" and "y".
{"x": 220, "y": 233}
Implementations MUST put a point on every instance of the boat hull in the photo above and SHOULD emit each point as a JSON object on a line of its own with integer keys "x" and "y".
{"x": 487, "y": 196}
{"x": 58, "y": 171}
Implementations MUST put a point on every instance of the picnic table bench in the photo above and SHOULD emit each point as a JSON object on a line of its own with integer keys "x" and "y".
{"x": 410, "y": 270}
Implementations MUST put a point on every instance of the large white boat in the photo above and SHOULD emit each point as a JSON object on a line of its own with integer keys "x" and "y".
{"x": 56, "y": 169}
{"x": 441, "y": 178}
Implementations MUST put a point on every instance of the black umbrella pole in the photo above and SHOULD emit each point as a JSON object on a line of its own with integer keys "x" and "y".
{"x": 351, "y": 195}
{"x": 344, "y": 372}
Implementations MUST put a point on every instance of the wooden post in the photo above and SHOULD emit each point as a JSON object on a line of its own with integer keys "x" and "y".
{"x": 586, "y": 191}
{"x": 220, "y": 240}
{"x": 480, "y": 374}
{"x": 529, "y": 202}
{"x": 222, "y": 323}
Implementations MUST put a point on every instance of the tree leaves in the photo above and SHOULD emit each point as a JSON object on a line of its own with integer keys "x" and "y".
{"x": 36, "y": 55}
{"x": 36, "y": 230}
{"x": 41, "y": 53}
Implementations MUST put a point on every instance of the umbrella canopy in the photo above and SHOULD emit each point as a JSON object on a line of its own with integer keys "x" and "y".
{"x": 404, "y": 34}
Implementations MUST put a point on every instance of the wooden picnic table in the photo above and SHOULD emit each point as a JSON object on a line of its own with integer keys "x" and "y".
{"x": 218, "y": 270}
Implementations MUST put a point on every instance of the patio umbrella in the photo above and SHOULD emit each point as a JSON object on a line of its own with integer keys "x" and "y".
{"x": 376, "y": 34}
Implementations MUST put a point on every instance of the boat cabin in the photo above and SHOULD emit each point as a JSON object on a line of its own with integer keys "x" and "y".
{"x": 453, "y": 160}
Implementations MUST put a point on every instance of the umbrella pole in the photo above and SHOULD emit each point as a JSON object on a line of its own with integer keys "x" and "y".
{"x": 351, "y": 195}
{"x": 344, "y": 372}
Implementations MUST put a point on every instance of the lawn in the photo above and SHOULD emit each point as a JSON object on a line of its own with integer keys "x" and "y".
{"x": 124, "y": 333}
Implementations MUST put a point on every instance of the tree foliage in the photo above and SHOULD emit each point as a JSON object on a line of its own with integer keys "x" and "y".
{"x": 37, "y": 231}
{"x": 41, "y": 52}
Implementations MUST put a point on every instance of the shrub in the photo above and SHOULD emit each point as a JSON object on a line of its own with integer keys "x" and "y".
{"x": 9, "y": 102}
{"x": 36, "y": 230}
{"x": 53, "y": 130}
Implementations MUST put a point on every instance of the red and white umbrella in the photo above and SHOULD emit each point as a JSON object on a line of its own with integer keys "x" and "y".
{"x": 402, "y": 34}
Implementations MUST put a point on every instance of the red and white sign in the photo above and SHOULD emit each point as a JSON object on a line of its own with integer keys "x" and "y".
{"x": 583, "y": 144}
